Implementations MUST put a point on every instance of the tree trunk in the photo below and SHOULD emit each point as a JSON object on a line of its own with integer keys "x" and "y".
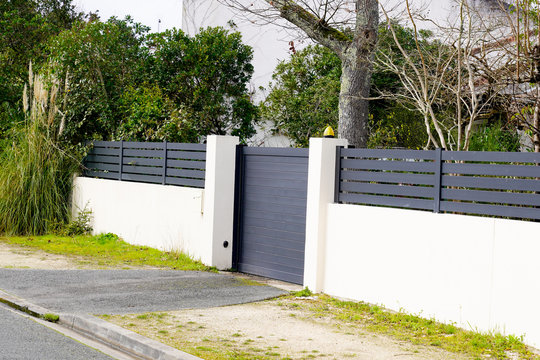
{"x": 353, "y": 103}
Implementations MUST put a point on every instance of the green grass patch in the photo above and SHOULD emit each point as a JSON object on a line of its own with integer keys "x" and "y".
{"x": 420, "y": 330}
{"x": 107, "y": 250}
{"x": 51, "y": 317}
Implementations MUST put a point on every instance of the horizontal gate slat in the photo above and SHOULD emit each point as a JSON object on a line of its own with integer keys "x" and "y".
{"x": 280, "y": 192}
{"x": 280, "y": 217}
{"x": 387, "y": 201}
{"x": 184, "y": 182}
{"x": 283, "y": 239}
{"x": 279, "y": 200}
{"x": 484, "y": 209}
{"x": 492, "y": 169}
{"x": 251, "y": 159}
{"x": 403, "y": 190}
{"x": 271, "y": 224}
{"x": 415, "y": 166}
{"x": 491, "y": 196}
{"x": 269, "y": 151}
{"x": 491, "y": 183}
{"x": 267, "y": 261}
{"x": 291, "y": 254}
{"x": 291, "y": 184}
{"x": 186, "y": 164}
{"x": 380, "y": 176}
{"x": 277, "y": 175}
{"x": 259, "y": 252}
{"x": 281, "y": 167}
{"x": 273, "y": 208}
{"x": 271, "y": 273}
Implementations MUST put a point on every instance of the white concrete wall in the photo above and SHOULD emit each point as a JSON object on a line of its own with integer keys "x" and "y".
{"x": 481, "y": 273}
{"x": 162, "y": 217}
{"x": 195, "y": 221}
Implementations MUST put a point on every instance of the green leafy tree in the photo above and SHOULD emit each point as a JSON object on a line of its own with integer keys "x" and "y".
{"x": 304, "y": 95}
{"x": 207, "y": 75}
{"x": 25, "y": 26}
{"x": 99, "y": 60}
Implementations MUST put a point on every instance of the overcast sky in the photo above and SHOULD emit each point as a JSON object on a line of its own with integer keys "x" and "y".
{"x": 147, "y": 12}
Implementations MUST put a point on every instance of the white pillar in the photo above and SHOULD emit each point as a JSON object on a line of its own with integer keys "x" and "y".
{"x": 321, "y": 186}
{"x": 219, "y": 201}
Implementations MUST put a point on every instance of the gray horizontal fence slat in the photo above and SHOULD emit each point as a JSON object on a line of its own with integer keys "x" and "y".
{"x": 492, "y": 169}
{"x": 105, "y": 151}
{"x": 142, "y": 178}
{"x": 410, "y": 203}
{"x": 268, "y": 151}
{"x": 129, "y": 160}
{"x": 388, "y": 154}
{"x": 186, "y": 164}
{"x": 265, "y": 260}
{"x": 143, "y": 145}
{"x": 102, "y": 159}
{"x": 491, "y": 196}
{"x": 185, "y": 155}
{"x": 198, "y": 174}
{"x": 276, "y": 241}
{"x": 278, "y": 200}
{"x": 401, "y": 190}
{"x": 417, "y": 166}
{"x": 491, "y": 156}
{"x": 184, "y": 182}
{"x": 100, "y": 143}
{"x": 102, "y": 166}
{"x": 496, "y": 210}
{"x": 405, "y": 178}
{"x": 158, "y": 153}
{"x": 145, "y": 170}
{"x": 186, "y": 146}
{"x": 275, "y": 174}
{"x": 491, "y": 183}
{"x": 100, "y": 174}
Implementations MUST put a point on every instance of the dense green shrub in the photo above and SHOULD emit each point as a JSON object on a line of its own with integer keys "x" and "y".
{"x": 494, "y": 138}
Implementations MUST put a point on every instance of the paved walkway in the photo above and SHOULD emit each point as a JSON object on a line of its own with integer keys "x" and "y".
{"x": 129, "y": 291}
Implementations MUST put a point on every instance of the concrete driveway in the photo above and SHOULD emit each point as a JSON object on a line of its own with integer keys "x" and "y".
{"x": 129, "y": 291}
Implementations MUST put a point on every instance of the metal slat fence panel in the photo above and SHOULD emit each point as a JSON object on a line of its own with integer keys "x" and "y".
{"x": 164, "y": 163}
{"x": 475, "y": 183}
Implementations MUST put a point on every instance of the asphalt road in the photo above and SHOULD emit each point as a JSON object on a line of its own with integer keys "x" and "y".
{"x": 23, "y": 338}
{"x": 129, "y": 291}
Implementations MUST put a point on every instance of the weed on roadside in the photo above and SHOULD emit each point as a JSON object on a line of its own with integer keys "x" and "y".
{"x": 107, "y": 250}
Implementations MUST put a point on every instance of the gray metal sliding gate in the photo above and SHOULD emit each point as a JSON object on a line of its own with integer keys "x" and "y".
{"x": 271, "y": 193}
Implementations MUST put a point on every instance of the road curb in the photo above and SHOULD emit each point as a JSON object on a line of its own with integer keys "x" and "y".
{"x": 110, "y": 334}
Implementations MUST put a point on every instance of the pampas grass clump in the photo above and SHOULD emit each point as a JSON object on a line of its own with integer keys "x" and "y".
{"x": 35, "y": 173}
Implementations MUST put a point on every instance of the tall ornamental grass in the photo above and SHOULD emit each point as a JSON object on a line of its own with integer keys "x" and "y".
{"x": 35, "y": 173}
